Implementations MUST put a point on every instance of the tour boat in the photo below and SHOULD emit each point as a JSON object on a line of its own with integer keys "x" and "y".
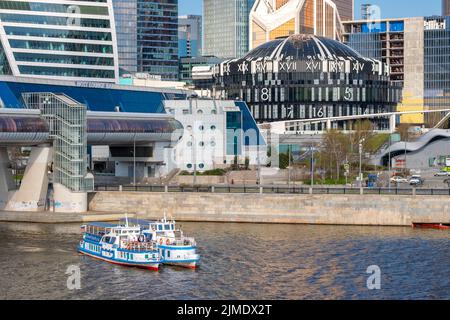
{"x": 174, "y": 247}
{"x": 439, "y": 226}
{"x": 119, "y": 244}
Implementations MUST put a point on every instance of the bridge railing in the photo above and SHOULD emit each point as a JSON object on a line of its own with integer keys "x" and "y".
{"x": 249, "y": 189}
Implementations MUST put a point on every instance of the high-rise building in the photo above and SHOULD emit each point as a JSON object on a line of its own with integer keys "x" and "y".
{"x": 271, "y": 19}
{"x": 190, "y": 36}
{"x": 446, "y": 7}
{"x": 56, "y": 39}
{"x": 125, "y": 14}
{"x": 147, "y": 36}
{"x": 417, "y": 52}
{"x": 226, "y": 27}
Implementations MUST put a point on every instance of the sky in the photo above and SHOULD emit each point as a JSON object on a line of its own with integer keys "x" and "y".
{"x": 389, "y": 8}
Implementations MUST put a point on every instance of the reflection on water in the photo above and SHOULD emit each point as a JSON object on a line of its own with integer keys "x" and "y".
{"x": 239, "y": 261}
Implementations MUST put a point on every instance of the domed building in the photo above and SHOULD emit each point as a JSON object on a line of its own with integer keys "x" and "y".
{"x": 308, "y": 77}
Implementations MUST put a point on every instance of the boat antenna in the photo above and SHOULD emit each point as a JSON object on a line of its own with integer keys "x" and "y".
{"x": 126, "y": 220}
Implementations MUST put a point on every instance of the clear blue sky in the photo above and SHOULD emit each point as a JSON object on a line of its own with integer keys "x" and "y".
{"x": 389, "y": 8}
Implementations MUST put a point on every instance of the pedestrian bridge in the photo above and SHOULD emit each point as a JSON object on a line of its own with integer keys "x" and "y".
{"x": 59, "y": 130}
{"x": 27, "y": 127}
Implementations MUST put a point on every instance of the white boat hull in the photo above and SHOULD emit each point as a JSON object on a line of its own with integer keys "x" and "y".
{"x": 190, "y": 265}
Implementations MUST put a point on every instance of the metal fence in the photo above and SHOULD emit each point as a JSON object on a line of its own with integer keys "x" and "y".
{"x": 276, "y": 190}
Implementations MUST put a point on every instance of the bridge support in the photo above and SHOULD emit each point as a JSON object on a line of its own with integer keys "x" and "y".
{"x": 67, "y": 201}
{"x": 6, "y": 179}
{"x": 392, "y": 123}
{"x": 32, "y": 194}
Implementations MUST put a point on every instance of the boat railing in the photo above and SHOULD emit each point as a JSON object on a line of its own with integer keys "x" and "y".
{"x": 138, "y": 246}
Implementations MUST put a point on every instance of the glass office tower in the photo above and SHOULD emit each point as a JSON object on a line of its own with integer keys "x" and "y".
{"x": 125, "y": 14}
{"x": 58, "y": 40}
{"x": 148, "y": 36}
{"x": 436, "y": 66}
{"x": 189, "y": 36}
{"x": 226, "y": 27}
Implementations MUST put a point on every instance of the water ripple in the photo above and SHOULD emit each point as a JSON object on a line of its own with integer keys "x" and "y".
{"x": 240, "y": 261}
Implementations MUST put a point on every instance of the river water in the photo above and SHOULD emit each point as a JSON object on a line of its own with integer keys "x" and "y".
{"x": 239, "y": 261}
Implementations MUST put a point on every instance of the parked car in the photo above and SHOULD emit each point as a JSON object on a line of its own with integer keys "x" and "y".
{"x": 399, "y": 180}
{"x": 416, "y": 181}
{"x": 442, "y": 174}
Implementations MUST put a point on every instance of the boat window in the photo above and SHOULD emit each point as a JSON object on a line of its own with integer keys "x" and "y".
{"x": 171, "y": 226}
{"x": 167, "y": 227}
{"x": 168, "y": 254}
{"x": 160, "y": 227}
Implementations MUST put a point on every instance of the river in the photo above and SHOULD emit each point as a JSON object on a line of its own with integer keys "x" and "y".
{"x": 239, "y": 261}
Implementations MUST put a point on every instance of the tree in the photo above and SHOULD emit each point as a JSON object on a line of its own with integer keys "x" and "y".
{"x": 335, "y": 149}
{"x": 403, "y": 131}
{"x": 363, "y": 130}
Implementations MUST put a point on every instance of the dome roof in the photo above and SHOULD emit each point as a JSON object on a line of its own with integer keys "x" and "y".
{"x": 303, "y": 47}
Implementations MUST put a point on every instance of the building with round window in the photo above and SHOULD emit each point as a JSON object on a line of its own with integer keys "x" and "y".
{"x": 308, "y": 77}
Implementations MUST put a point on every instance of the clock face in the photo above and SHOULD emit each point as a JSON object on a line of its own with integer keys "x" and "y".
{"x": 265, "y": 94}
{"x": 348, "y": 94}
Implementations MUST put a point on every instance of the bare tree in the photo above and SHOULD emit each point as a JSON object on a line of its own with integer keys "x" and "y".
{"x": 335, "y": 148}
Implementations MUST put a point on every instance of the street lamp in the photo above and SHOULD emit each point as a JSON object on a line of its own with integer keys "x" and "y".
{"x": 312, "y": 166}
{"x": 360, "y": 161}
{"x": 389, "y": 165}
{"x": 134, "y": 160}
{"x": 289, "y": 166}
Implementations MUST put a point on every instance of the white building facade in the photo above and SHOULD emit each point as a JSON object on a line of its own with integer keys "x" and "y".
{"x": 59, "y": 39}
{"x": 216, "y": 135}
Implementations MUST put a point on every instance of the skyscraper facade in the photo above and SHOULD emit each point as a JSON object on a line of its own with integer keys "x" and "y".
{"x": 55, "y": 39}
{"x": 226, "y": 27}
{"x": 189, "y": 36}
{"x": 125, "y": 14}
{"x": 271, "y": 19}
{"x": 446, "y": 7}
{"x": 436, "y": 66}
{"x": 148, "y": 36}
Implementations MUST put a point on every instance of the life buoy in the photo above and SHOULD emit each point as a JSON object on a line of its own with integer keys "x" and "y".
{"x": 161, "y": 241}
{"x": 167, "y": 241}
{"x": 141, "y": 238}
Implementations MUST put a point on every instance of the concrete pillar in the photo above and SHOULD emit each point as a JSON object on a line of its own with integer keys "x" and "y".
{"x": 6, "y": 179}
{"x": 328, "y": 124}
{"x": 392, "y": 123}
{"x": 32, "y": 195}
{"x": 166, "y": 188}
{"x": 261, "y": 190}
{"x": 67, "y": 201}
{"x": 213, "y": 189}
